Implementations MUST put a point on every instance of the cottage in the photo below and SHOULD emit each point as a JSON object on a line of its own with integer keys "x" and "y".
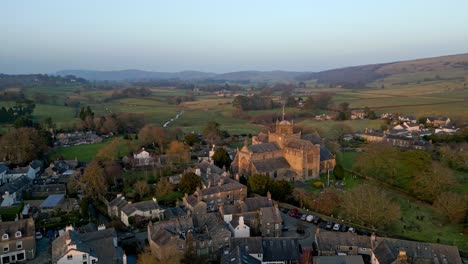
{"x": 12, "y": 191}
{"x": 438, "y": 121}
{"x": 18, "y": 242}
{"x": 143, "y": 158}
{"x": 95, "y": 247}
{"x": 146, "y": 209}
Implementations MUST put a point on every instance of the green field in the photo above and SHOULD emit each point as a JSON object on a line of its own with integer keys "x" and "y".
{"x": 356, "y": 125}
{"x": 81, "y": 152}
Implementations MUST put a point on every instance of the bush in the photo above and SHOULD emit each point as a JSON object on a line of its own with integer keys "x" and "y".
{"x": 318, "y": 184}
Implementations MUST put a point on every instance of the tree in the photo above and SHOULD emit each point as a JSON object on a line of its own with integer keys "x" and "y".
{"x": 113, "y": 173}
{"x": 291, "y": 101}
{"x": 453, "y": 205}
{"x": 191, "y": 139}
{"x": 338, "y": 171}
{"x": 221, "y": 158}
{"x": 189, "y": 182}
{"x": 328, "y": 201}
{"x": 280, "y": 190}
{"x": 164, "y": 187}
{"x": 93, "y": 182}
{"x": 337, "y": 132}
{"x": 141, "y": 188}
{"x": 178, "y": 153}
{"x": 369, "y": 205}
{"x": 429, "y": 184}
{"x": 212, "y": 132}
{"x": 259, "y": 184}
{"x": 152, "y": 135}
{"x": 22, "y": 145}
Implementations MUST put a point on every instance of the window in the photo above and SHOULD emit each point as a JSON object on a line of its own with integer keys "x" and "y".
{"x": 6, "y": 248}
{"x": 5, "y": 237}
{"x": 85, "y": 257}
{"x": 19, "y": 245}
{"x": 276, "y": 226}
{"x": 93, "y": 261}
{"x": 20, "y": 256}
{"x": 69, "y": 257}
{"x": 85, "y": 262}
{"x": 18, "y": 234}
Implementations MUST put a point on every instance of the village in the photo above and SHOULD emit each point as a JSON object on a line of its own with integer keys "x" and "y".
{"x": 51, "y": 215}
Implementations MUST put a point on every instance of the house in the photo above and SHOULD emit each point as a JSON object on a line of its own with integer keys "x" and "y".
{"x": 267, "y": 249}
{"x": 59, "y": 167}
{"x": 226, "y": 191}
{"x": 270, "y": 221}
{"x": 446, "y": 130}
{"x": 18, "y": 242}
{"x": 44, "y": 190}
{"x": 175, "y": 179}
{"x": 52, "y": 202}
{"x": 15, "y": 173}
{"x": 3, "y": 171}
{"x": 357, "y": 114}
{"x": 238, "y": 256}
{"x": 146, "y": 209}
{"x": 205, "y": 233}
{"x": 115, "y": 206}
{"x": 77, "y": 138}
{"x": 438, "y": 121}
{"x": 240, "y": 229}
{"x": 338, "y": 259}
{"x": 411, "y": 127}
{"x": 12, "y": 191}
{"x": 285, "y": 155}
{"x": 143, "y": 158}
{"x": 94, "y": 247}
{"x": 382, "y": 250}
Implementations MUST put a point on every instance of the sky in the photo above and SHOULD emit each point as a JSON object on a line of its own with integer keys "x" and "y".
{"x": 222, "y": 36}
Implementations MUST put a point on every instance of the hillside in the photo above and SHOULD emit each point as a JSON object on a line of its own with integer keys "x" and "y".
{"x": 135, "y": 75}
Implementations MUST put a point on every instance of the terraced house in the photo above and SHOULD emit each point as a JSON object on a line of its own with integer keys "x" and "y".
{"x": 18, "y": 242}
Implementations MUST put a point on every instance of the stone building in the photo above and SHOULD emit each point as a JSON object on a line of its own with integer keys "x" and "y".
{"x": 284, "y": 154}
{"x": 18, "y": 242}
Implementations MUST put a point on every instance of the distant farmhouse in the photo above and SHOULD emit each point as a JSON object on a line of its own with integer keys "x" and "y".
{"x": 284, "y": 155}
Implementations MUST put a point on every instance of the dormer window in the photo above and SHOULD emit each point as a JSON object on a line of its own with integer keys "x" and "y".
{"x": 5, "y": 237}
{"x": 18, "y": 234}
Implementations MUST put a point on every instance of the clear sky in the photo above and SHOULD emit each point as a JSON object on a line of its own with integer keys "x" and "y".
{"x": 45, "y": 36}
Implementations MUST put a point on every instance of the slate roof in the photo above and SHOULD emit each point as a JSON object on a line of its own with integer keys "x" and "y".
{"x": 26, "y": 226}
{"x": 15, "y": 185}
{"x": 281, "y": 249}
{"x": 251, "y": 245}
{"x": 143, "y": 206}
{"x": 204, "y": 165}
{"x": 314, "y": 138}
{"x": 52, "y": 201}
{"x": 162, "y": 231}
{"x": 247, "y": 205}
{"x": 270, "y": 215}
{"x": 238, "y": 256}
{"x": 328, "y": 241}
{"x": 118, "y": 202}
{"x": 3, "y": 168}
{"x": 19, "y": 170}
{"x": 228, "y": 185}
{"x": 264, "y": 147}
{"x": 387, "y": 251}
{"x": 262, "y": 137}
{"x": 338, "y": 260}
{"x": 174, "y": 212}
{"x": 272, "y": 164}
{"x": 299, "y": 144}
{"x": 99, "y": 244}
{"x": 325, "y": 154}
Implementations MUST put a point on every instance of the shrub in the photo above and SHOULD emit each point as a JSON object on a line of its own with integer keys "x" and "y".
{"x": 318, "y": 184}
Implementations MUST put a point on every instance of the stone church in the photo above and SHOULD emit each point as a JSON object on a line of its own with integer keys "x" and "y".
{"x": 284, "y": 154}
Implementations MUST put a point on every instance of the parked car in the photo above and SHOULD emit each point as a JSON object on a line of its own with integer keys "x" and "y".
{"x": 303, "y": 217}
{"x": 322, "y": 225}
{"x": 343, "y": 228}
{"x": 329, "y": 225}
{"x": 309, "y": 218}
{"x": 38, "y": 235}
{"x": 336, "y": 227}
{"x": 293, "y": 212}
{"x": 352, "y": 230}
{"x": 284, "y": 228}
{"x": 316, "y": 220}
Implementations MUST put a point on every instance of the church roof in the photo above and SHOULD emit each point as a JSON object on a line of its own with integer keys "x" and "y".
{"x": 272, "y": 164}
{"x": 325, "y": 154}
{"x": 264, "y": 147}
{"x": 314, "y": 138}
{"x": 299, "y": 144}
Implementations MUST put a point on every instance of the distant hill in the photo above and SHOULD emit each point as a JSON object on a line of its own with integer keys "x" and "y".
{"x": 135, "y": 75}
{"x": 361, "y": 75}
{"x": 138, "y": 75}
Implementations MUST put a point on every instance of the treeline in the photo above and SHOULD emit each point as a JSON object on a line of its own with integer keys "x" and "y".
{"x": 189, "y": 97}
{"x": 320, "y": 101}
{"x": 12, "y": 95}
{"x": 31, "y": 80}
{"x": 130, "y": 93}
{"x": 18, "y": 114}
{"x": 255, "y": 102}
{"x": 122, "y": 123}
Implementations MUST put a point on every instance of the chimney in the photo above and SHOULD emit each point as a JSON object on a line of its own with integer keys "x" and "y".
{"x": 276, "y": 204}
{"x": 237, "y": 177}
{"x": 101, "y": 227}
{"x": 69, "y": 228}
{"x": 269, "y": 196}
{"x": 402, "y": 255}
{"x": 220, "y": 182}
{"x": 119, "y": 195}
{"x": 155, "y": 200}
{"x": 221, "y": 208}
{"x": 241, "y": 221}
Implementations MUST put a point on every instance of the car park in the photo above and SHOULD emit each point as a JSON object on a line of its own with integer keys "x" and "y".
{"x": 309, "y": 218}
{"x": 336, "y": 227}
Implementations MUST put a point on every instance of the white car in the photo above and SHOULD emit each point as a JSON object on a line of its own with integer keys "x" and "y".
{"x": 336, "y": 227}
{"x": 38, "y": 235}
{"x": 309, "y": 218}
{"x": 352, "y": 230}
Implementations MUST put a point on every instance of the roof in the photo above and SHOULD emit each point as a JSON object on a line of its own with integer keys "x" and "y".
{"x": 251, "y": 245}
{"x": 227, "y": 184}
{"x": 143, "y": 206}
{"x": 270, "y": 215}
{"x": 272, "y": 164}
{"x": 35, "y": 164}
{"x": 281, "y": 249}
{"x": 247, "y": 205}
{"x": 297, "y": 143}
{"x": 99, "y": 244}
{"x": 238, "y": 256}
{"x": 26, "y": 226}
{"x": 328, "y": 241}
{"x": 314, "y": 138}
{"x": 19, "y": 170}
{"x": 174, "y": 212}
{"x": 264, "y": 147}
{"x": 325, "y": 154}
{"x": 119, "y": 202}
{"x": 3, "y": 168}
{"x": 163, "y": 231}
{"x": 15, "y": 185}
{"x": 387, "y": 251}
{"x": 338, "y": 260}
{"x": 52, "y": 200}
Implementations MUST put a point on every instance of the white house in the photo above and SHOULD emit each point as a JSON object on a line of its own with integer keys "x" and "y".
{"x": 241, "y": 230}
{"x": 8, "y": 199}
{"x": 143, "y": 158}
{"x": 146, "y": 209}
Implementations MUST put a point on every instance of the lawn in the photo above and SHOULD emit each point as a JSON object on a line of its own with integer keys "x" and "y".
{"x": 356, "y": 125}
{"x": 81, "y": 152}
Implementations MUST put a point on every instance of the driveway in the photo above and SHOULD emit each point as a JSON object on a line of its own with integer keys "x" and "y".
{"x": 305, "y": 239}
{"x": 43, "y": 251}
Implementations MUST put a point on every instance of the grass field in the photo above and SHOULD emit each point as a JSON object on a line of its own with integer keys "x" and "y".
{"x": 81, "y": 152}
{"x": 356, "y": 125}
